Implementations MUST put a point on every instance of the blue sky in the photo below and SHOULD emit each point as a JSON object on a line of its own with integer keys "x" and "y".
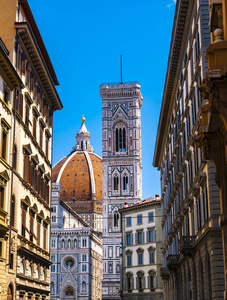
{"x": 85, "y": 40}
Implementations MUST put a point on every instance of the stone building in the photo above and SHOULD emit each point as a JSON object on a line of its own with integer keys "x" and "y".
{"x": 80, "y": 174}
{"x": 122, "y": 180}
{"x": 142, "y": 255}
{"x": 76, "y": 254}
{"x": 9, "y": 80}
{"x": 192, "y": 242}
{"x": 26, "y": 122}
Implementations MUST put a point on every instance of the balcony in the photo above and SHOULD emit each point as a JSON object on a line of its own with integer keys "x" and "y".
{"x": 164, "y": 273}
{"x": 172, "y": 261}
{"x": 186, "y": 245}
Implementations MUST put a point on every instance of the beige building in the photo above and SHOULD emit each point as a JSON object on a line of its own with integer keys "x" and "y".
{"x": 26, "y": 123}
{"x": 9, "y": 80}
{"x": 192, "y": 241}
{"x": 141, "y": 255}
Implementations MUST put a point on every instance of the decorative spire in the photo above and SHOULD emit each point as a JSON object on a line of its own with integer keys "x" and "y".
{"x": 83, "y": 138}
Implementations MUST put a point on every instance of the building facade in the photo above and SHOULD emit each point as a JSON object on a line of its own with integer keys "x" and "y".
{"x": 80, "y": 174}
{"x": 29, "y": 137}
{"x": 76, "y": 254}
{"x": 192, "y": 242}
{"x": 9, "y": 81}
{"x": 121, "y": 169}
{"x": 142, "y": 254}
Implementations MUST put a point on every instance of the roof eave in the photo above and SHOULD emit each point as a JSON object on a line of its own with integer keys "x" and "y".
{"x": 171, "y": 80}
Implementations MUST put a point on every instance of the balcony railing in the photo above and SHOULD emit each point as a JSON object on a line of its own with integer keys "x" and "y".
{"x": 172, "y": 261}
{"x": 186, "y": 245}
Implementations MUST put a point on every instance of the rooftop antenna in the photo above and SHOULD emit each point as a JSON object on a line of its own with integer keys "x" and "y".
{"x": 121, "y": 69}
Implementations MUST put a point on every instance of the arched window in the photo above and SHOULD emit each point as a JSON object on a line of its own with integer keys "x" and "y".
{"x": 120, "y": 138}
{"x": 125, "y": 182}
{"x": 69, "y": 291}
{"x": 29, "y": 270}
{"x": 116, "y": 219}
{"x": 37, "y": 273}
{"x": 116, "y": 183}
{"x": 22, "y": 267}
{"x": 63, "y": 243}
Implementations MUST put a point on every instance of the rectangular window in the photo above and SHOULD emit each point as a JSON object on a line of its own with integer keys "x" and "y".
{"x": 52, "y": 268}
{"x": 129, "y": 260}
{"x": 52, "y": 258}
{"x": 140, "y": 258}
{"x": 151, "y": 235}
{"x": 128, "y": 221}
{"x": 45, "y": 236}
{"x": 2, "y": 192}
{"x": 53, "y": 243}
{"x": 84, "y": 257}
{"x": 84, "y": 268}
{"x": 151, "y": 217}
{"x": 38, "y": 231}
{"x": 117, "y": 251}
{"x": 139, "y": 219}
{"x": 53, "y": 209}
{"x": 128, "y": 239}
{"x": 4, "y": 143}
{"x": 110, "y": 251}
{"x": 26, "y": 167}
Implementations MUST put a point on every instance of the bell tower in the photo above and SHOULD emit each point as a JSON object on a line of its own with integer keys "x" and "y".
{"x": 122, "y": 178}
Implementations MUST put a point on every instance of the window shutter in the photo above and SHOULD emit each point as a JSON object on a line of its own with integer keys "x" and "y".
{"x": 26, "y": 167}
{"x": 131, "y": 238}
{"x": 154, "y": 236}
{"x": 155, "y": 283}
{"x": 125, "y": 243}
{"x": 132, "y": 283}
{"x": 136, "y": 236}
{"x": 126, "y": 283}
{"x": 144, "y": 283}
{"x": 21, "y": 105}
{"x": 37, "y": 181}
{"x": 147, "y": 236}
{"x": 30, "y": 172}
{"x": 38, "y": 233}
{"x": 148, "y": 282}
{"x": 142, "y": 237}
{"x": 137, "y": 282}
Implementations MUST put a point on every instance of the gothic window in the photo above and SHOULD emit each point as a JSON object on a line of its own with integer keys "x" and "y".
{"x": 52, "y": 286}
{"x": 81, "y": 145}
{"x": 125, "y": 182}
{"x": 110, "y": 268}
{"x": 83, "y": 287}
{"x": 116, "y": 219}
{"x": 120, "y": 138}
{"x": 63, "y": 243}
{"x": 116, "y": 182}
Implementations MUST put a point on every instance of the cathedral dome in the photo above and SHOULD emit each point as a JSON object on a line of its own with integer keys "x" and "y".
{"x": 80, "y": 174}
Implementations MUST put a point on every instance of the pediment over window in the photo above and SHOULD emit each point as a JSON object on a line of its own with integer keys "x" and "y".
{"x": 4, "y": 178}
{"x": 35, "y": 158}
{"x": 28, "y": 148}
{"x": 139, "y": 250}
{"x": 128, "y": 251}
{"x": 26, "y": 201}
{"x": 152, "y": 272}
{"x": 151, "y": 248}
